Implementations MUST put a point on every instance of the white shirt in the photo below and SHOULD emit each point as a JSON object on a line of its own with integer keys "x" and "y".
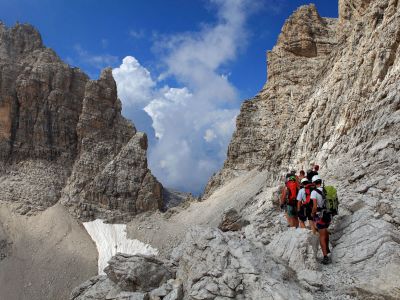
{"x": 320, "y": 200}
{"x": 301, "y": 195}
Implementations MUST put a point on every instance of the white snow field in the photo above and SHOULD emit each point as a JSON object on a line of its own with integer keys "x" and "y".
{"x": 111, "y": 238}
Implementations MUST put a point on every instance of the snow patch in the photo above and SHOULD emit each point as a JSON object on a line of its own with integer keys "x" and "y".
{"x": 111, "y": 238}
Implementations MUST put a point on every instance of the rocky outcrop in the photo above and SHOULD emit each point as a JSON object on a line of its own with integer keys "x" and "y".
{"x": 211, "y": 265}
{"x": 232, "y": 221}
{"x": 338, "y": 107}
{"x": 216, "y": 265}
{"x": 137, "y": 273}
{"x": 63, "y": 136}
{"x": 341, "y": 104}
{"x": 132, "y": 277}
{"x": 265, "y": 129}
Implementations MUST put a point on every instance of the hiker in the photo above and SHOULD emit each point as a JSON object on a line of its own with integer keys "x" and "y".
{"x": 289, "y": 200}
{"x": 283, "y": 197}
{"x": 310, "y": 174}
{"x": 322, "y": 217}
{"x": 305, "y": 205}
{"x": 302, "y": 175}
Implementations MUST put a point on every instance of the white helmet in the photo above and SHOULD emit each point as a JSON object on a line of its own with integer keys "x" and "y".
{"x": 304, "y": 180}
{"x": 316, "y": 178}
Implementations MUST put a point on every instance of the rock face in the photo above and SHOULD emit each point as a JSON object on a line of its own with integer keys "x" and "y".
{"x": 63, "y": 136}
{"x": 131, "y": 277}
{"x": 266, "y": 127}
{"x": 232, "y": 221}
{"x": 235, "y": 268}
{"x": 333, "y": 97}
{"x": 137, "y": 273}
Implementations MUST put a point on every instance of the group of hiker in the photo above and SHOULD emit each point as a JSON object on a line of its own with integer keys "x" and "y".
{"x": 306, "y": 198}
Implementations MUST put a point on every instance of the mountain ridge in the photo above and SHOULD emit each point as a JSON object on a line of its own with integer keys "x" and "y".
{"x": 68, "y": 131}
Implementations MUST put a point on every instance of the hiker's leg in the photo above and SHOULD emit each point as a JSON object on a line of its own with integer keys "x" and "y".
{"x": 287, "y": 217}
{"x": 295, "y": 217}
{"x": 313, "y": 227}
{"x": 327, "y": 241}
{"x": 290, "y": 212}
{"x": 322, "y": 240}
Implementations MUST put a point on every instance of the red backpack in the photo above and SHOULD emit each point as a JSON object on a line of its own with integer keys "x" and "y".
{"x": 308, "y": 188}
{"x": 292, "y": 190}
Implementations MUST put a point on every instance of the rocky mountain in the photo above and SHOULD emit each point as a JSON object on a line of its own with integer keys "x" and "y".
{"x": 329, "y": 83}
{"x": 62, "y": 136}
{"x": 332, "y": 98}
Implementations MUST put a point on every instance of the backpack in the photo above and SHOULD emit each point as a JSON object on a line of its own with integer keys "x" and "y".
{"x": 308, "y": 189}
{"x": 292, "y": 190}
{"x": 311, "y": 174}
{"x": 329, "y": 194}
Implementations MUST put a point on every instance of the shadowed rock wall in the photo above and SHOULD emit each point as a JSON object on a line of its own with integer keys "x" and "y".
{"x": 63, "y": 136}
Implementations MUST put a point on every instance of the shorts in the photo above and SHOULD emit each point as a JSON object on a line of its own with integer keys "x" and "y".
{"x": 305, "y": 213}
{"x": 323, "y": 222}
{"x": 291, "y": 210}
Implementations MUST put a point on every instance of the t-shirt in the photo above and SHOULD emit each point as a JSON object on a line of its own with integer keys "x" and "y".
{"x": 320, "y": 200}
{"x": 301, "y": 195}
{"x": 311, "y": 174}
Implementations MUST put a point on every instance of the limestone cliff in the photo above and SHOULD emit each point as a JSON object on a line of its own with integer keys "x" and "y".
{"x": 63, "y": 136}
{"x": 332, "y": 97}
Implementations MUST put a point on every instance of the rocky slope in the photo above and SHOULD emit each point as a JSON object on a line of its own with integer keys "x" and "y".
{"x": 43, "y": 256}
{"x": 63, "y": 136}
{"x": 332, "y": 97}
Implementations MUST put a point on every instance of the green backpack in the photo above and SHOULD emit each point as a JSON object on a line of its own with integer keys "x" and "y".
{"x": 331, "y": 199}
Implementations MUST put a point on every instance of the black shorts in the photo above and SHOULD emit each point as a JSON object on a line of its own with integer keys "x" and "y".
{"x": 305, "y": 213}
{"x": 323, "y": 220}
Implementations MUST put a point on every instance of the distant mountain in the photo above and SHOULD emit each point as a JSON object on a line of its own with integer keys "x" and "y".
{"x": 62, "y": 136}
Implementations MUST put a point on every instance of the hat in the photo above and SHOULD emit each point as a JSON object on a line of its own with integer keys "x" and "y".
{"x": 316, "y": 178}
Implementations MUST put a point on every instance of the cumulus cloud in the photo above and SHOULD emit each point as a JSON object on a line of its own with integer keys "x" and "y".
{"x": 134, "y": 83}
{"x": 193, "y": 122}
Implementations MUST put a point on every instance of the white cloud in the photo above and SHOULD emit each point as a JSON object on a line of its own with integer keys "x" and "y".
{"x": 193, "y": 123}
{"x": 166, "y": 109}
{"x": 134, "y": 83}
{"x": 210, "y": 135}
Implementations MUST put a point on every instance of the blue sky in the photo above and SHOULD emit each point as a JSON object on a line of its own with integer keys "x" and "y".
{"x": 183, "y": 67}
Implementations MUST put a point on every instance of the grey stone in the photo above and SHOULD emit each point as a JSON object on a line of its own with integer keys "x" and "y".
{"x": 232, "y": 221}
{"x": 137, "y": 272}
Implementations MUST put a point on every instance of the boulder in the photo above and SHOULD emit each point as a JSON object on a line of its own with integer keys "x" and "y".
{"x": 232, "y": 221}
{"x": 138, "y": 272}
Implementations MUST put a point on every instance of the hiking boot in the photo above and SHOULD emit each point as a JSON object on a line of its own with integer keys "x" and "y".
{"x": 325, "y": 260}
